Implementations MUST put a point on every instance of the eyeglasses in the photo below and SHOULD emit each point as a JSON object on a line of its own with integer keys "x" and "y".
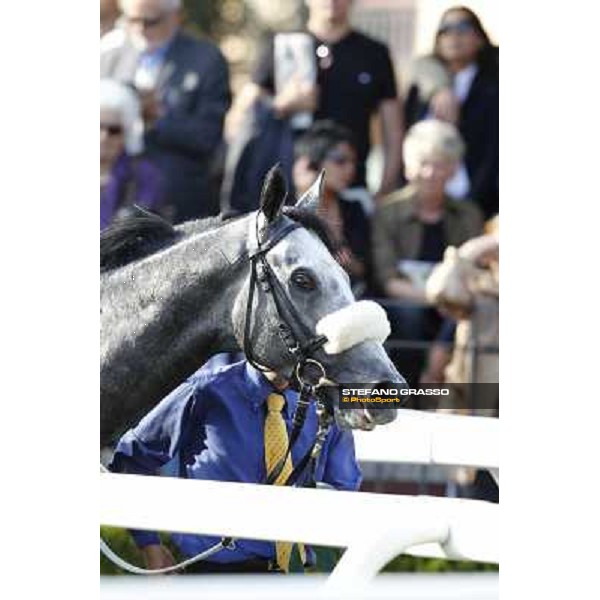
{"x": 146, "y": 22}
{"x": 458, "y": 27}
{"x": 340, "y": 158}
{"x": 112, "y": 130}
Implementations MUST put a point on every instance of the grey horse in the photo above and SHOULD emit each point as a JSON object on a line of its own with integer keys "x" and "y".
{"x": 171, "y": 297}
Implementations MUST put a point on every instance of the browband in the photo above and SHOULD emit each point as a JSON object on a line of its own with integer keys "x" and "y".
{"x": 256, "y": 246}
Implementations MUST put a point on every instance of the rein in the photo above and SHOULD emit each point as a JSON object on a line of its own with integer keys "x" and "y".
{"x": 300, "y": 343}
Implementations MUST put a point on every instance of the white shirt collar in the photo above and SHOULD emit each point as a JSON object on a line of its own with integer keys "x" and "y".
{"x": 463, "y": 81}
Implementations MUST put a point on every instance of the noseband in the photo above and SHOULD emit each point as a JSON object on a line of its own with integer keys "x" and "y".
{"x": 299, "y": 341}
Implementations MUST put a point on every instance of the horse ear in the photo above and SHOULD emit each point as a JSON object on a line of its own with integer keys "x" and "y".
{"x": 274, "y": 192}
{"x": 311, "y": 199}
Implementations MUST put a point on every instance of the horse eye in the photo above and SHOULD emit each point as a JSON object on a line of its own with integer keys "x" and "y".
{"x": 304, "y": 280}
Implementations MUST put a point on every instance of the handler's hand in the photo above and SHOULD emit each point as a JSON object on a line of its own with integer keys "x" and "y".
{"x": 156, "y": 556}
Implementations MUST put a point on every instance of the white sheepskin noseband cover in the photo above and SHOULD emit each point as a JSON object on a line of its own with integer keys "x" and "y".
{"x": 359, "y": 322}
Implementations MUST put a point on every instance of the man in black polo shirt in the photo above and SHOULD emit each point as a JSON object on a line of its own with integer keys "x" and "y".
{"x": 355, "y": 79}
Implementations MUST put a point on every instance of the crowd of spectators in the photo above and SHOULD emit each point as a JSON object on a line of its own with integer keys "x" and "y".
{"x": 183, "y": 86}
{"x": 164, "y": 99}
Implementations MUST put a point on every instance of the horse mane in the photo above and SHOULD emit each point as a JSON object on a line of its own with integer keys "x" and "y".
{"x": 134, "y": 236}
{"x": 141, "y": 233}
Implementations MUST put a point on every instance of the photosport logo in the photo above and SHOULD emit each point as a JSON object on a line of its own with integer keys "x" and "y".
{"x": 426, "y": 397}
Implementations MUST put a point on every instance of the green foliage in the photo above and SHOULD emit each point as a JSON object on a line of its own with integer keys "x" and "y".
{"x": 123, "y": 545}
{"x": 327, "y": 558}
{"x": 409, "y": 564}
{"x": 120, "y": 542}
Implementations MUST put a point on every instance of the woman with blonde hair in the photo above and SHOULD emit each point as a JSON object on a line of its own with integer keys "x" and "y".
{"x": 411, "y": 230}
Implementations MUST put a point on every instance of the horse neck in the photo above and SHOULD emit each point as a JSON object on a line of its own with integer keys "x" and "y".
{"x": 163, "y": 316}
{"x": 189, "y": 287}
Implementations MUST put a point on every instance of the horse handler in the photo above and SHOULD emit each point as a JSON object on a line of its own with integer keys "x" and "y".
{"x": 231, "y": 423}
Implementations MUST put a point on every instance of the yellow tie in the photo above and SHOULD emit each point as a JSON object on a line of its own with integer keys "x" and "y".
{"x": 276, "y": 443}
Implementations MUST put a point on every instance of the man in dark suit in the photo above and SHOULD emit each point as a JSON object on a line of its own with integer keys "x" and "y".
{"x": 184, "y": 86}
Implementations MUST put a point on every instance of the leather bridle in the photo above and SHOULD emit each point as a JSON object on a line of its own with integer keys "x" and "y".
{"x": 300, "y": 342}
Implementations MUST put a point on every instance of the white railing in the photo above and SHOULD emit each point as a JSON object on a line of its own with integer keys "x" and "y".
{"x": 433, "y": 439}
{"x": 413, "y": 586}
{"x": 374, "y": 528}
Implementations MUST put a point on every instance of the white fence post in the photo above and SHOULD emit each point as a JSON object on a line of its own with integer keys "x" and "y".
{"x": 363, "y": 560}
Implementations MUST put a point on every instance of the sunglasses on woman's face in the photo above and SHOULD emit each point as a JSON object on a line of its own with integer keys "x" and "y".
{"x": 458, "y": 27}
{"x": 340, "y": 158}
{"x": 111, "y": 129}
{"x": 145, "y": 22}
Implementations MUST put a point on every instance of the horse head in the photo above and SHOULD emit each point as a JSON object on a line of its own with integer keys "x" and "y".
{"x": 298, "y": 299}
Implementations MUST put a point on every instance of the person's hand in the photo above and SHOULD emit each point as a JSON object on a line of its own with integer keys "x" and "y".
{"x": 444, "y": 105}
{"x": 296, "y": 96}
{"x": 156, "y": 556}
{"x": 152, "y": 108}
{"x": 482, "y": 249}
